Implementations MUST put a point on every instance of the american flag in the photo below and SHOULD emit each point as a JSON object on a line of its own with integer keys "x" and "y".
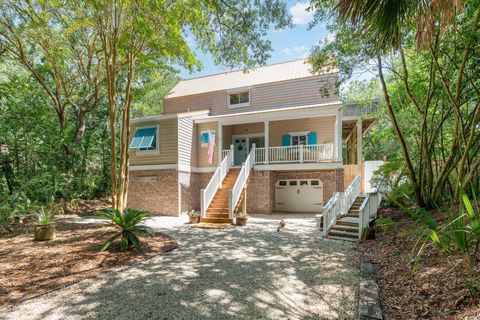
{"x": 211, "y": 147}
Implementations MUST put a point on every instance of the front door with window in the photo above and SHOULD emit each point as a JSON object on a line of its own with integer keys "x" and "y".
{"x": 239, "y": 150}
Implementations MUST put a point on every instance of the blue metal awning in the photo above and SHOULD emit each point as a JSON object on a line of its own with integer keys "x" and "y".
{"x": 143, "y": 138}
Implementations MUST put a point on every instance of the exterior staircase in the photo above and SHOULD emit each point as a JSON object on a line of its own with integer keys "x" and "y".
{"x": 346, "y": 227}
{"x": 217, "y": 211}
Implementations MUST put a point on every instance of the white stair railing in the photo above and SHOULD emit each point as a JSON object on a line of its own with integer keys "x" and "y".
{"x": 368, "y": 210}
{"x": 215, "y": 183}
{"x": 350, "y": 194}
{"x": 330, "y": 212}
{"x": 240, "y": 184}
{"x": 340, "y": 203}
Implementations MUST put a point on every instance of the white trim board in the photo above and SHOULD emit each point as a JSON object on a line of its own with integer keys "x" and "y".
{"x": 298, "y": 166}
{"x": 277, "y": 114}
{"x": 153, "y": 167}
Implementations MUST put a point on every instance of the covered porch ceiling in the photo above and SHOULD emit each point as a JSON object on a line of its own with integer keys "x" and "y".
{"x": 349, "y": 125}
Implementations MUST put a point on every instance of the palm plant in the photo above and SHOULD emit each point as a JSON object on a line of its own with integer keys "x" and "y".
{"x": 128, "y": 227}
{"x": 384, "y": 20}
{"x": 45, "y": 216}
{"x": 461, "y": 235}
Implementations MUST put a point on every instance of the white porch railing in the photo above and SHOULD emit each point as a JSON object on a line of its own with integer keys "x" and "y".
{"x": 294, "y": 154}
{"x": 340, "y": 203}
{"x": 241, "y": 182}
{"x": 207, "y": 194}
{"x": 368, "y": 210}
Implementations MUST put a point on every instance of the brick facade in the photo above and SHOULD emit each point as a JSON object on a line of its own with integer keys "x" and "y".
{"x": 168, "y": 192}
{"x": 155, "y": 191}
{"x": 261, "y": 189}
{"x": 190, "y": 185}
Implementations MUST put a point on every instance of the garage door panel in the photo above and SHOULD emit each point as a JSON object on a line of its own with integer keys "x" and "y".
{"x": 299, "y": 195}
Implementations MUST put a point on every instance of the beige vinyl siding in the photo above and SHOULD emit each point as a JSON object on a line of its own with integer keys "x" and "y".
{"x": 252, "y": 128}
{"x": 227, "y": 137}
{"x": 281, "y": 94}
{"x": 323, "y": 126}
{"x": 202, "y": 152}
{"x": 166, "y": 143}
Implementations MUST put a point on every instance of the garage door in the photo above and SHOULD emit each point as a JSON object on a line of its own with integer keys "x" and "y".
{"x": 304, "y": 195}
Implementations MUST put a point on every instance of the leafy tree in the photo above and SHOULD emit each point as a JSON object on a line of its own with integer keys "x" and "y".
{"x": 140, "y": 35}
{"x": 426, "y": 63}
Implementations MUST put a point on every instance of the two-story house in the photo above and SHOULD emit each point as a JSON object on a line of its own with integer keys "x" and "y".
{"x": 274, "y": 134}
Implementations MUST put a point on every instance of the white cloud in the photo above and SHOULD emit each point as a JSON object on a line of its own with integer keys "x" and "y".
{"x": 299, "y": 13}
{"x": 294, "y": 50}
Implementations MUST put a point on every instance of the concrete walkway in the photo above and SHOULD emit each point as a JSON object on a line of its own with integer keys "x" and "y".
{"x": 248, "y": 272}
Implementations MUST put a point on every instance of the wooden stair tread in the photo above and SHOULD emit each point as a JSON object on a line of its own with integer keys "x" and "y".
{"x": 216, "y": 220}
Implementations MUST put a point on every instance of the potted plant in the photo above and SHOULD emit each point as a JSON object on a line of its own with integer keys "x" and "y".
{"x": 241, "y": 219}
{"x": 194, "y": 217}
{"x": 44, "y": 228}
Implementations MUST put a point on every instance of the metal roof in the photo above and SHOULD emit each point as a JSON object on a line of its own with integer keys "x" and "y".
{"x": 243, "y": 78}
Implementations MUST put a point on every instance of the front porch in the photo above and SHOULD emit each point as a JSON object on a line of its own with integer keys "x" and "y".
{"x": 301, "y": 140}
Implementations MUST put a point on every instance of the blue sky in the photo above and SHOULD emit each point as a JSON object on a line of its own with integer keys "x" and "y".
{"x": 287, "y": 44}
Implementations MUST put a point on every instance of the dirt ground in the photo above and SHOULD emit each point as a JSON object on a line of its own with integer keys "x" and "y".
{"x": 434, "y": 291}
{"x": 29, "y": 268}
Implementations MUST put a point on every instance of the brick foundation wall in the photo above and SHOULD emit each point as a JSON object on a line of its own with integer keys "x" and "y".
{"x": 190, "y": 186}
{"x": 261, "y": 189}
{"x": 155, "y": 191}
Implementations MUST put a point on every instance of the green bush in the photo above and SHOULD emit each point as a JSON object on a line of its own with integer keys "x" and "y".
{"x": 459, "y": 237}
{"x": 127, "y": 225}
{"x": 384, "y": 224}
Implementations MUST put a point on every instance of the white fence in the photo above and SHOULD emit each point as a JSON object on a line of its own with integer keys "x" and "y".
{"x": 207, "y": 194}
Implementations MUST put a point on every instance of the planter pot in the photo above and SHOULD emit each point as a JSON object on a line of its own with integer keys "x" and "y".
{"x": 44, "y": 232}
{"x": 241, "y": 221}
{"x": 193, "y": 220}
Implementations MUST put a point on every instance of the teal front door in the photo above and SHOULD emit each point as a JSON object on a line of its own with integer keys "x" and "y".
{"x": 239, "y": 151}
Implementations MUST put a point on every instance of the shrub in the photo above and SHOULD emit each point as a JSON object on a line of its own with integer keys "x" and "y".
{"x": 459, "y": 237}
{"x": 45, "y": 216}
{"x": 384, "y": 224}
{"x": 127, "y": 225}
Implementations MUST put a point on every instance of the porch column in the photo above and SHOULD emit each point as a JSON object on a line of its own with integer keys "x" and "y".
{"x": 220, "y": 142}
{"x": 360, "y": 154}
{"x": 338, "y": 135}
{"x": 267, "y": 137}
{"x": 359, "y": 142}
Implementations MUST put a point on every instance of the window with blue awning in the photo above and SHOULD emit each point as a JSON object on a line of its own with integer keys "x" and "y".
{"x": 144, "y": 139}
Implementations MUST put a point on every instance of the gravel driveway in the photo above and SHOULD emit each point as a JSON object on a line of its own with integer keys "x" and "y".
{"x": 248, "y": 272}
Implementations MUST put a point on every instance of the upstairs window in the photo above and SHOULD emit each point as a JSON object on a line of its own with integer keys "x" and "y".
{"x": 144, "y": 139}
{"x": 238, "y": 98}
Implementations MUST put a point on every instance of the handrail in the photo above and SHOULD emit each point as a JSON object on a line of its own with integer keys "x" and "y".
{"x": 207, "y": 194}
{"x": 369, "y": 209}
{"x": 350, "y": 194}
{"x": 340, "y": 203}
{"x": 236, "y": 191}
{"x": 330, "y": 212}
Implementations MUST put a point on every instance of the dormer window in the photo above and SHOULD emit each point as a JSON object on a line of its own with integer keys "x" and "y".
{"x": 238, "y": 98}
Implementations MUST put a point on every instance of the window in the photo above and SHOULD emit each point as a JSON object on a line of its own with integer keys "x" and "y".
{"x": 293, "y": 183}
{"x": 144, "y": 139}
{"x": 239, "y": 99}
{"x": 282, "y": 183}
{"x": 298, "y": 140}
{"x": 304, "y": 183}
{"x": 314, "y": 182}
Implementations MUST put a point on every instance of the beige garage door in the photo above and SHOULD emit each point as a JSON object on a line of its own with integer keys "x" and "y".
{"x": 299, "y": 195}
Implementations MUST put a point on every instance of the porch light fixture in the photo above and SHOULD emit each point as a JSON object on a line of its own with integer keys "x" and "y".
{"x": 246, "y": 131}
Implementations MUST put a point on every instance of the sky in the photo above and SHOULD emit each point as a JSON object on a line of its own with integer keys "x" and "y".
{"x": 288, "y": 44}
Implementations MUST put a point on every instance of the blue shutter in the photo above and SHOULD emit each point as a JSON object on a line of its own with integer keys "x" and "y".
{"x": 312, "y": 138}
{"x": 286, "y": 140}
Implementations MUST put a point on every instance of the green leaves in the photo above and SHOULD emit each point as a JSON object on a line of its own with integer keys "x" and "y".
{"x": 127, "y": 223}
